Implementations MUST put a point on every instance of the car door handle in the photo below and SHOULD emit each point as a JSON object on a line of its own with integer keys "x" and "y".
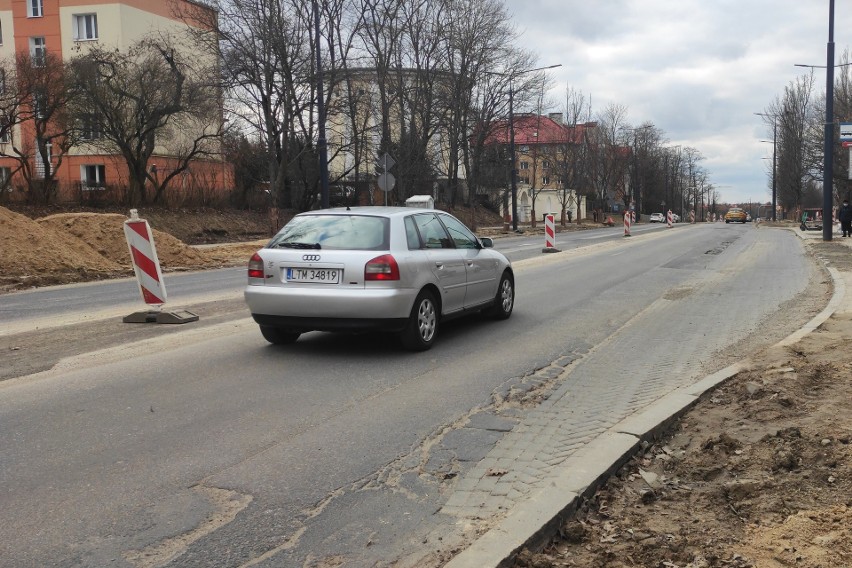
{"x": 439, "y": 264}
{"x": 470, "y": 263}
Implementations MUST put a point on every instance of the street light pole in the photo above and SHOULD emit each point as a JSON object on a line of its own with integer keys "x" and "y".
{"x": 774, "y": 169}
{"x": 322, "y": 144}
{"x": 774, "y": 163}
{"x": 828, "y": 147}
{"x": 512, "y": 158}
{"x": 828, "y": 164}
{"x": 512, "y": 164}
{"x": 829, "y": 129}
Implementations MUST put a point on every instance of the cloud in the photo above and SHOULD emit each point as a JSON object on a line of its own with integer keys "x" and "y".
{"x": 698, "y": 70}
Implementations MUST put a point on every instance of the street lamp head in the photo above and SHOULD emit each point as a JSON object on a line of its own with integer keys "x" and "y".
{"x": 821, "y": 66}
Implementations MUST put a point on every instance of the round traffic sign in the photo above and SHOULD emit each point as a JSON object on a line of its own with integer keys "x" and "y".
{"x": 386, "y": 182}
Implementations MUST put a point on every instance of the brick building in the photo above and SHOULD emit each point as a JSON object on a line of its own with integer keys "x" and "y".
{"x": 64, "y": 29}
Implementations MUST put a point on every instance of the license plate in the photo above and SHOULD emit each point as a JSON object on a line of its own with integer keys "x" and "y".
{"x": 314, "y": 275}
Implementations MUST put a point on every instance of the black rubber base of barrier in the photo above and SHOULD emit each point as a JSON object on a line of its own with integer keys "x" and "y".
{"x": 153, "y": 316}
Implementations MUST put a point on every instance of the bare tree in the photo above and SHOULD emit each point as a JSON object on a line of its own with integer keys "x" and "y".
{"x": 476, "y": 38}
{"x": 132, "y": 101}
{"x": 796, "y": 147}
{"x": 842, "y": 183}
{"x": 35, "y": 99}
{"x": 571, "y": 155}
{"x": 609, "y": 157}
{"x": 489, "y": 166}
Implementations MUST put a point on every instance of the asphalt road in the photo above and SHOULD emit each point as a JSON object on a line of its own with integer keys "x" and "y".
{"x": 63, "y": 305}
{"x": 206, "y": 446}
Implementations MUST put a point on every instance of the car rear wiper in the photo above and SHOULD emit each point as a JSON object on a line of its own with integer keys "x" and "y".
{"x": 299, "y": 245}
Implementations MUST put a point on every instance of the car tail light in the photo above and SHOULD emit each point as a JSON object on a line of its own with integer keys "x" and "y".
{"x": 382, "y": 268}
{"x": 255, "y": 267}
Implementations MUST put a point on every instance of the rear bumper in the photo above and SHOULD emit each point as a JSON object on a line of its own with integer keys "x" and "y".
{"x": 330, "y": 309}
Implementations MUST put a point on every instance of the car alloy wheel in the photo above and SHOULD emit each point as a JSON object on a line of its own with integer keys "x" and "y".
{"x": 422, "y": 327}
{"x": 504, "y": 301}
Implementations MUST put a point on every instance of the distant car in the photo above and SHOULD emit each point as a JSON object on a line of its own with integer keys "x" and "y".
{"x": 675, "y": 218}
{"x": 736, "y": 215}
{"x": 394, "y": 269}
{"x": 657, "y": 218}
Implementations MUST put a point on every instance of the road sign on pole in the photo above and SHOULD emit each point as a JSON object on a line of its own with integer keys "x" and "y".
{"x": 387, "y": 161}
{"x": 386, "y": 182}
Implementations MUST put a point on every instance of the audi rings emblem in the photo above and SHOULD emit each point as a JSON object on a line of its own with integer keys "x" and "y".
{"x": 310, "y": 257}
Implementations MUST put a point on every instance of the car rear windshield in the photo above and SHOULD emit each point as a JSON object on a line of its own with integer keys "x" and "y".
{"x": 334, "y": 232}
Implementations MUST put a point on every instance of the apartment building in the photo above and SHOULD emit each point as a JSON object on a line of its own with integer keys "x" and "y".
{"x": 546, "y": 153}
{"x": 64, "y": 29}
{"x": 355, "y": 124}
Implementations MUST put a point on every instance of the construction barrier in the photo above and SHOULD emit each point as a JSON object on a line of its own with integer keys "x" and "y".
{"x": 549, "y": 234}
{"x": 148, "y": 274}
{"x": 670, "y": 218}
{"x": 145, "y": 262}
{"x": 628, "y": 216}
{"x": 692, "y": 216}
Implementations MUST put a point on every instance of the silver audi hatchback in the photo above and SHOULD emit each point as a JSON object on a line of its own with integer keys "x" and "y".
{"x": 393, "y": 269}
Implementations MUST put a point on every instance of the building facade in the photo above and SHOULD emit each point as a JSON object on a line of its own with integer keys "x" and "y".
{"x": 549, "y": 159}
{"x": 370, "y": 111}
{"x": 63, "y": 29}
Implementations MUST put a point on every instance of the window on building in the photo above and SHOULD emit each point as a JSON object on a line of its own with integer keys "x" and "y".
{"x": 85, "y": 27}
{"x": 35, "y": 8}
{"x": 545, "y": 180}
{"x": 525, "y": 165}
{"x": 5, "y": 179}
{"x": 2, "y": 81}
{"x": 38, "y": 50}
{"x": 39, "y": 104}
{"x": 1, "y": 33}
{"x": 5, "y": 131}
{"x": 525, "y": 180}
{"x": 93, "y": 176}
{"x": 545, "y": 164}
{"x": 44, "y": 163}
{"x": 90, "y": 127}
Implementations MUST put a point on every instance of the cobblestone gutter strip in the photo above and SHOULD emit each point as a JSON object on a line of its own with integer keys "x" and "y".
{"x": 533, "y": 523}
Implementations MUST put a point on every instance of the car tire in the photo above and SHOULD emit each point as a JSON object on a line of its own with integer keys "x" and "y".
{"x": 279, "y": 336}
{"x": 504, "y": 301}
{"x": 421, "y": 329}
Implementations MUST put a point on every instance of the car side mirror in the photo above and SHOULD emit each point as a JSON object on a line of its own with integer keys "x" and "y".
{"x": 486, "y": 242}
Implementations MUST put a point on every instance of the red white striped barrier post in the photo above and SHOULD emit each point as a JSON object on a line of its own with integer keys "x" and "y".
{"x": 145, "y": 262}
{"x": 549, "y": 234}
{"x": 628, "y": 216}
{"x": 670, "y": 218}
{"x": 146, "y": 265}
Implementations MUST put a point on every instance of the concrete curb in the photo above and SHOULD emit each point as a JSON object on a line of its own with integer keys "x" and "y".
{"x": 533, "y": 523}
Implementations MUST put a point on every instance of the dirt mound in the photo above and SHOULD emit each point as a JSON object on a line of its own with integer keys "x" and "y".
{"x": 35, "y": 254}
{"x": 80, "y": 247}
{"x": 105, "y": 233}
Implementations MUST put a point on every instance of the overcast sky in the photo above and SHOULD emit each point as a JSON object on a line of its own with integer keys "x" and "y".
{"x": 698, "y": 70}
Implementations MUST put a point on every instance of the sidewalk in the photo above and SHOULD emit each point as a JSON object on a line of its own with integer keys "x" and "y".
{"x": 601, "y": 451}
